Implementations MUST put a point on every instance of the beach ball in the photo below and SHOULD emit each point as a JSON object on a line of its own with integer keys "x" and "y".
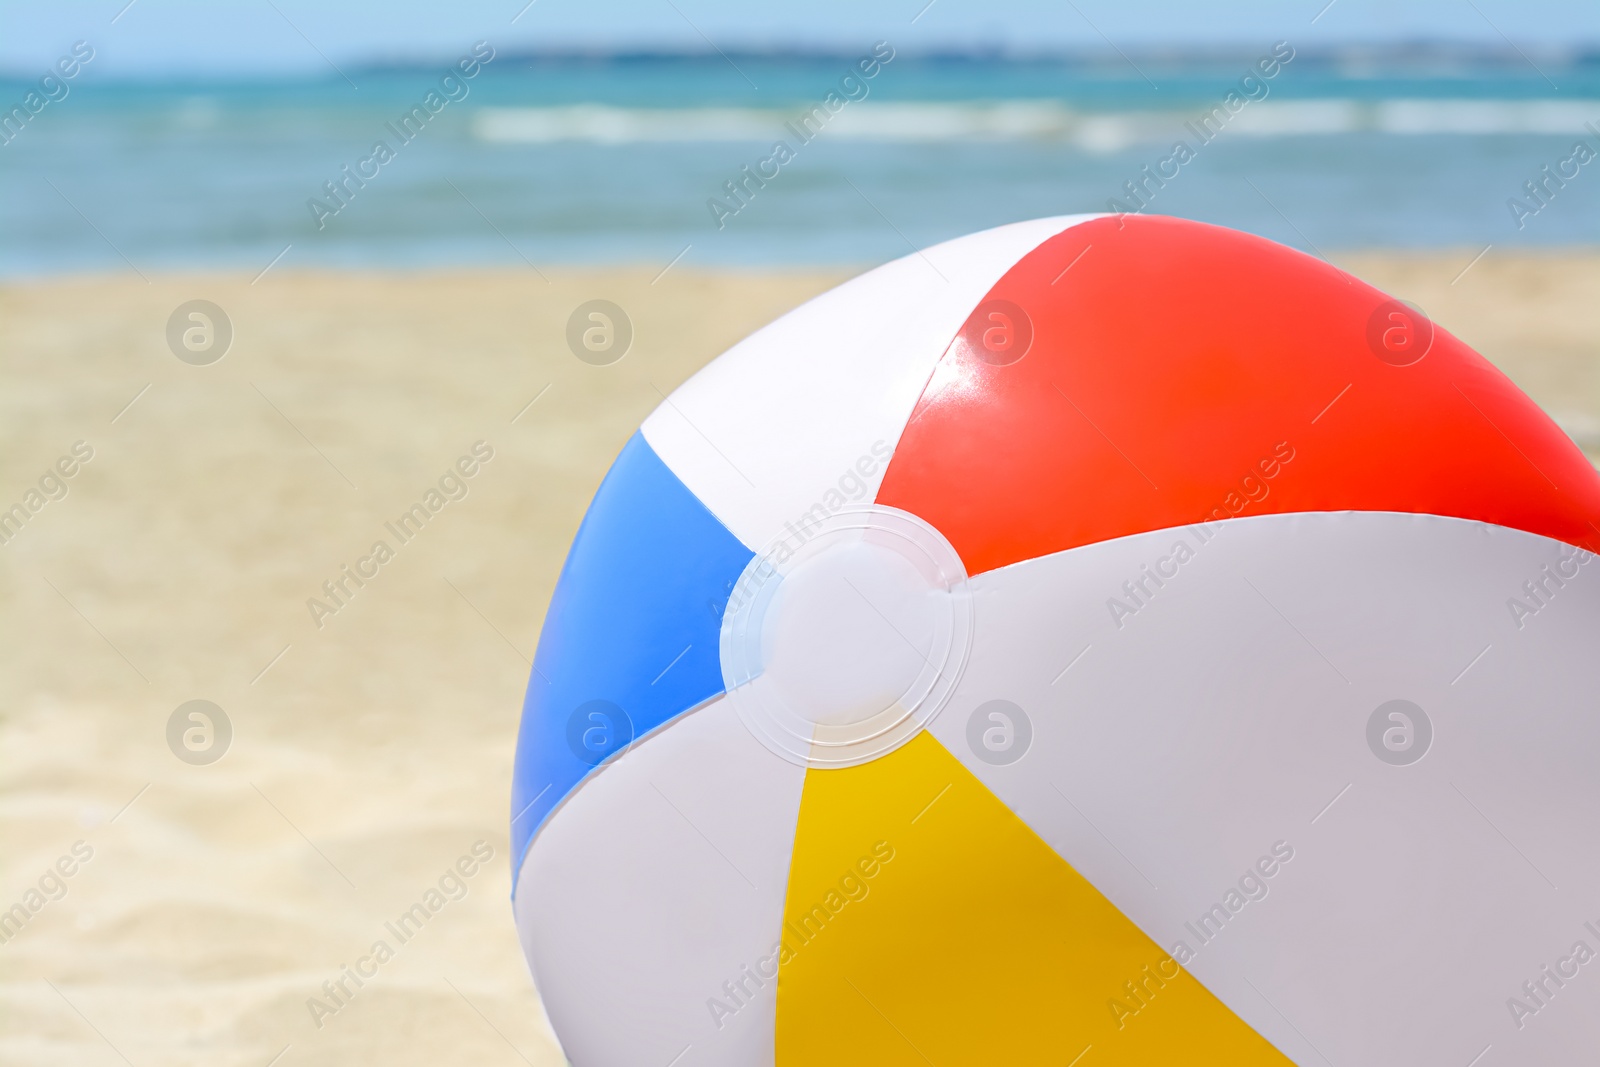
{"x": 1099, "y": 640}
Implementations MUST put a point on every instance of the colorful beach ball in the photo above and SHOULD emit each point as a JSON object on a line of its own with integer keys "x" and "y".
{"x": 1098, "y": 640}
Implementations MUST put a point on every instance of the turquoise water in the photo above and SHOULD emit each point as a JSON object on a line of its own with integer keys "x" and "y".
{"x": 572, "y": 160}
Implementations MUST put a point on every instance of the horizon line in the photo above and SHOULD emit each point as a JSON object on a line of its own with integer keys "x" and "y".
{"x": 1401, "y": 54}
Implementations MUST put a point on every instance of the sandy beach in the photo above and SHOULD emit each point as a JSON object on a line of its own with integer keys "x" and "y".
{"x": 371, "y": 746}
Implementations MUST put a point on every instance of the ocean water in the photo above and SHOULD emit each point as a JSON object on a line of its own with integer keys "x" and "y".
{"x": 550, "y": 160}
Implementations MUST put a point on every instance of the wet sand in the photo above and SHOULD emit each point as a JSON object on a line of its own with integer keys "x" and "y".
{"x": 372, "y": 744}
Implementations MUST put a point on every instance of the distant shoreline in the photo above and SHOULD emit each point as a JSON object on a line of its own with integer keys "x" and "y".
{"x": 1385, "y": 57}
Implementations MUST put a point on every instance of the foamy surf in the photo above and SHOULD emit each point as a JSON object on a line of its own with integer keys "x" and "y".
{"x": 1028, "y": 120}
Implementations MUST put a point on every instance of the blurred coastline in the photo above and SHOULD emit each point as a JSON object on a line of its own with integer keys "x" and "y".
{"x": 595, "y": 158}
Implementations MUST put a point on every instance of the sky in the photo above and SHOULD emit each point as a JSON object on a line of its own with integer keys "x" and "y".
{"x": 180, "y": 38}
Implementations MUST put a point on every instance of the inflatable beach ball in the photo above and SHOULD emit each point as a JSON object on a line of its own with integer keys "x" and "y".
{"x": 1099, "y": 641}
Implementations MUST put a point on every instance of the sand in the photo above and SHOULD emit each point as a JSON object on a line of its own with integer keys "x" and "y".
{"x": 372, "y": 752}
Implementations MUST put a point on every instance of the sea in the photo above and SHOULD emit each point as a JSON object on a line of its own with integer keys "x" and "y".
{"x": 661, "y": 160}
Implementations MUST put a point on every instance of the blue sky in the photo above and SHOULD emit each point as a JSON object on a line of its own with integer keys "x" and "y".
{"x": 175, "y": 37}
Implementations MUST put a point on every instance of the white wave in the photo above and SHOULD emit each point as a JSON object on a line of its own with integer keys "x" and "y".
{"x": 1486, "y": 116}
{"x": 600, "y": 124}
{"x": 1025, "y": 120}
{"x": 1290, "y": 118}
